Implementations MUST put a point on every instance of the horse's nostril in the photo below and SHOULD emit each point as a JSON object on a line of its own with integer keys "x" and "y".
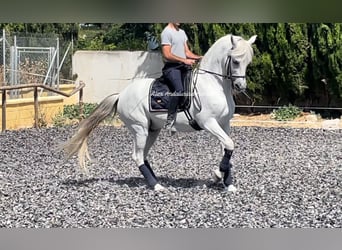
{"x": 237, "y": 87}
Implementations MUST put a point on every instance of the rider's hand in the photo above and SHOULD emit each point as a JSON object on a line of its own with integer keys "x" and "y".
{"x": 189, "y": 61}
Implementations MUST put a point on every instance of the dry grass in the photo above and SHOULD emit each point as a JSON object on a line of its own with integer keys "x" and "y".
{"x": 306, "y": 120}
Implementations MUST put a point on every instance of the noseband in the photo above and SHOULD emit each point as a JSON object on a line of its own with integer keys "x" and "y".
{"x": 229, "y": 74}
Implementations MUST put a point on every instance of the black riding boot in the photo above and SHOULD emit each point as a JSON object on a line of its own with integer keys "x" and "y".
{"x": 172, "y": 112}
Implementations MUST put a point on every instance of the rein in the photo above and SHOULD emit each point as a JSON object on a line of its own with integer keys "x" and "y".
{"x": 229, "y": 74}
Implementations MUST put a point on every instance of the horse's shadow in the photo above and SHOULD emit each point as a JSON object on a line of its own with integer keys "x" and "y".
{"x": 134, "y": 182}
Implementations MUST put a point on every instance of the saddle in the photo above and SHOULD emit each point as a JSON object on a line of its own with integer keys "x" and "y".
{"x": 159, "y": 94}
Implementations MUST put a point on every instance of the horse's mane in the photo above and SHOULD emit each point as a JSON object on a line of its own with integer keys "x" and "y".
{"x": 224, "y": 43}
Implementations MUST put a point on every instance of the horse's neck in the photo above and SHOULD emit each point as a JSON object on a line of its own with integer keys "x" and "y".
{"x": 214, "y": 84}
{"x": 215, "y": 58}
{"x": 215, "y": 62}
{"x": 213, "y": 65}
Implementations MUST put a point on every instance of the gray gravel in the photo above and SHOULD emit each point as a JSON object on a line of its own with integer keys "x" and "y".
{"x": 285, "y": 178}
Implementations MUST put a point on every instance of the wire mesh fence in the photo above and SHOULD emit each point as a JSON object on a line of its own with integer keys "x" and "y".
{"x": 33, "y": 58}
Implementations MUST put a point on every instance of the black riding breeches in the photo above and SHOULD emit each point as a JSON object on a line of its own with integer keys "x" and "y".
{"x": 174, "y": 73}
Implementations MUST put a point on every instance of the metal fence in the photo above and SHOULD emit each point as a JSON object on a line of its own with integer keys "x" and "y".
{"x": 28, "y": 59}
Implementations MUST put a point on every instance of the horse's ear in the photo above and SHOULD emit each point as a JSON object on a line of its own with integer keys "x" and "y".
{"x": 252, "y": 39}
{"x": 232, "y": 40}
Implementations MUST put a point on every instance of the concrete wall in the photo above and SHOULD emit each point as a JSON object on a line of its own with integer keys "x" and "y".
{"x": 107, "y": 72}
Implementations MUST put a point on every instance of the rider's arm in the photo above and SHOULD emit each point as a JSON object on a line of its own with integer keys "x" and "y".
{"x": 166, "y": 50}
{"x": 190, "y": 54}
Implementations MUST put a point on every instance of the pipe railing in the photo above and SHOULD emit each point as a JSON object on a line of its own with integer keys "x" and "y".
{"x": 35, "y": 87}
{"x": 277, "y": 107}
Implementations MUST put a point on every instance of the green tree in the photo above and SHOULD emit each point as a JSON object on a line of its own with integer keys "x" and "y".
{"x": 67, "y": 31}
{"x": 325, "y": 62}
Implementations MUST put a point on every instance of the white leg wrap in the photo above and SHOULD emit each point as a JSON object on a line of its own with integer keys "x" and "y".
{"x": 217, "y": 175}
{"x": 159, "y": 187}
{"x": 231, "y": 188}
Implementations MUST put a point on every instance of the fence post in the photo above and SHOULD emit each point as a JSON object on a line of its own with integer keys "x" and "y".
{"x": 35, "y": 96}
{"x": 3, "y": 110}
{"x": 80, "y": 102}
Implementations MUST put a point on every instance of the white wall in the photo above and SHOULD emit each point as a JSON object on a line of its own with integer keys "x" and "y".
{"x": 107, "y": 72}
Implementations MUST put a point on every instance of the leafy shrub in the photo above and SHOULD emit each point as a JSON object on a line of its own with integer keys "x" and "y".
{"x": 42, "y": 123}
{"x": 71, "y": 113}
{"x": 59, "y": 120}
{"x": 286, "y": 113}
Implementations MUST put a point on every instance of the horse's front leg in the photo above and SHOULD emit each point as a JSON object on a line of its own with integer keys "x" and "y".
{"x": 224, "y": 172}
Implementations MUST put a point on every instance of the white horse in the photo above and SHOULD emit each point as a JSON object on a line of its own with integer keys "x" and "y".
{"x": 222, "y": 69}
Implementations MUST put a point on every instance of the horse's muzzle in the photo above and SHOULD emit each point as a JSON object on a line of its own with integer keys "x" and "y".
{"x": 239, "y": 85}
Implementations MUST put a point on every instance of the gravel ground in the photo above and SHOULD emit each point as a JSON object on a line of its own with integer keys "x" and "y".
{"x": 286, "y": 177}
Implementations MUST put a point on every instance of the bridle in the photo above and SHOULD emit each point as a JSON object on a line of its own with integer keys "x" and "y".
{"x": 229, "y": 74}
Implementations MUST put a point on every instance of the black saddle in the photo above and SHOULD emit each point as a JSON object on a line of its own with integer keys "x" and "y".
{"x": 159, "y": 97}
{"x": 159, "y": 94}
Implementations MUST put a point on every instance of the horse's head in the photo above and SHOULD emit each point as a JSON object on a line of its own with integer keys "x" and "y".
{"x": 239, "y": 57}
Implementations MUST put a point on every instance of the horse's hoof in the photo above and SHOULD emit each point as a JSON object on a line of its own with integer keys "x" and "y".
{"x": 230, "y": 188}
{"x": 159, "y": 187}
{"x": 172, "y": 131}
{"x": 217, "y": 175}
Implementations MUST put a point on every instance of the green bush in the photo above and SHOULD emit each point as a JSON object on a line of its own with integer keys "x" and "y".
{"x": 42, "y": 123}
{"x": 59, "y": 120}
{"x": 286, "y": 113}
{"x": 71, "y": 113}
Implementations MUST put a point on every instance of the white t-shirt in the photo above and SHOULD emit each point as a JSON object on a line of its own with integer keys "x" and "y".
{"x": 175, "y": 38}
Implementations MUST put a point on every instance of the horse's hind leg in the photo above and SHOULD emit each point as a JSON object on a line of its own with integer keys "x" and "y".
{"x": 140, "y": 135}
{"x": 151, "y": 138}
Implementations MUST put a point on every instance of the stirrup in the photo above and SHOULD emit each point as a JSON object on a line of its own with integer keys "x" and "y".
{"x": 172, "y": 131}
{"x": 170, "y": 121}
{"x": 169, "y": 125}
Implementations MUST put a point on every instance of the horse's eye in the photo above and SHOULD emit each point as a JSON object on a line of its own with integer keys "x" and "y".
{"x": 236, "y": 62}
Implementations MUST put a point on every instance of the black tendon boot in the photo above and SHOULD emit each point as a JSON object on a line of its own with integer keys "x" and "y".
{"x": 148, "y": 174}
{"x": 225, "y": 167}
{"x": 172, "y": 112}
{"x": 149, "y": 167}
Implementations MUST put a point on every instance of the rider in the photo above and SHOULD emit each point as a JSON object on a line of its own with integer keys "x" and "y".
{"x": 176, "y": 55}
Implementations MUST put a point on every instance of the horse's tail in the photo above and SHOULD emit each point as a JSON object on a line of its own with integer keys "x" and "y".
{"x": 78, "y": 143}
